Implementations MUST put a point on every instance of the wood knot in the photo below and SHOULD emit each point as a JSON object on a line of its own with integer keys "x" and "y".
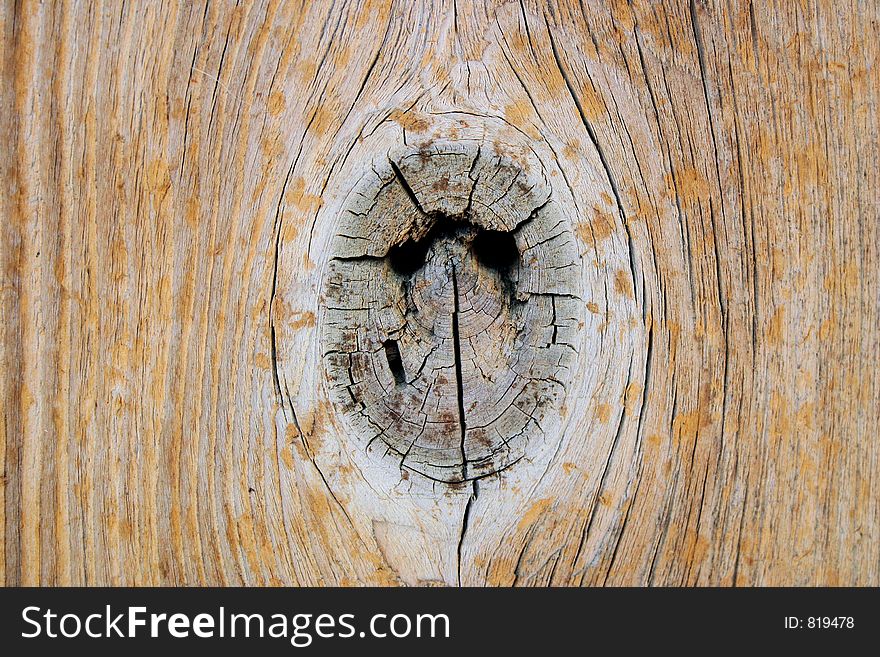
{"x": 452, "y": 303}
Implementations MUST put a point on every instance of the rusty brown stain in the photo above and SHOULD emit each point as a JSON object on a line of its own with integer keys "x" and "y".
{"x": 276, "y": 103}
{"x": 623, "y": 283}
{"x": 534, "y": 512}
{"x": 410, "y": 120}
{"x": 774, "y": 335}
{"x": 689, "y": 184}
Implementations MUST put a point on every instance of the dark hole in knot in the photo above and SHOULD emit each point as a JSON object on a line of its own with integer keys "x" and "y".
{"x": 408, "y": 257}
{"x": 496, "y": 249}
{"x": 395, "y": 362}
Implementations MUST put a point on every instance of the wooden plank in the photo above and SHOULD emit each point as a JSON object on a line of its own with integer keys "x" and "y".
{"x": 178, "y": 173}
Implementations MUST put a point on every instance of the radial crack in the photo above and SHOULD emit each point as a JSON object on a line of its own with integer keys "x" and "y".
{"x": 456, "y": 346}
{"x": 403, "y": 183}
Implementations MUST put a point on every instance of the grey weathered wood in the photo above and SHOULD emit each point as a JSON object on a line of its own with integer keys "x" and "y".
{"x": 482, "y": 370}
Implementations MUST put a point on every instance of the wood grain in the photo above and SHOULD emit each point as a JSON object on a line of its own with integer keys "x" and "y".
{"x": 176, "y": 172}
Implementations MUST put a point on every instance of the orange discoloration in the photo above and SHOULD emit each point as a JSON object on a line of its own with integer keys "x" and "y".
{"x": 306, "y": 69}
{"x": 592, "y": 103}
{"x": 632, "y": 394}
{"x": 306, "y": 203}
{"x": 806, "y": 416}
{"x": 602, "y": 224}
{"x": 289, "y": 231}
{"x": 341, "y": 58}
{"x": 690, "y": 185}
{"x": 623, "y": 283}
{"x": 314, "y": 425}
{"x": 276, "y": 103}
{"x": 780, "y": 424}
{"x": 192, "y": 211}
{"x": 518, "y": 42}
{"x": 411, "y": 120}
{"x": 158, "y": 177}
{"x": 599, "y": 229}
{"x": 520, "y": 114}
{"x": 686, "y": 425}
{"x": 441, "y": 184}
{"x": 535, "y": 511}
{"x": 271, "y": 148}
{"x": 304, "y": 319}
{"x": 774, "y": 335}
{"x": 287, "y": 457}
{"x": 322, "y": 121}
{"x": 572, "y": 150}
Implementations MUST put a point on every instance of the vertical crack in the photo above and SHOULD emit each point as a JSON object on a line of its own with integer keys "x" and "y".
{"x": 456, "y": 346}
{"x": 465, "y": 520}
{"x": 470, "y": 205}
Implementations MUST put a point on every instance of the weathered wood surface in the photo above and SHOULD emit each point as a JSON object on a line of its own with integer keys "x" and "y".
{"x": 175, "y": 177}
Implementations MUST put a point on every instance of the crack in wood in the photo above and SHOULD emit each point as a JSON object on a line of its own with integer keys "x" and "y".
{"x": 456, "y": 346}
